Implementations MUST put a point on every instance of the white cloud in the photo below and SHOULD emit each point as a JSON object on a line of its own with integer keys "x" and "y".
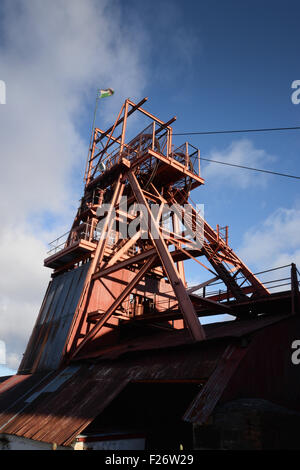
{"x": 240, "y": 152}
{"x": 53, "y": 56}
{"x": 6, "y": 371}
{"x": 273, "y": 244}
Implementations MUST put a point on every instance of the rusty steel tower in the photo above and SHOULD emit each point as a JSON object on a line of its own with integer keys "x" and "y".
{"x": 109, "y": 281}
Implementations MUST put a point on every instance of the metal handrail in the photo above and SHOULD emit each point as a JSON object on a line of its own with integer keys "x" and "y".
{"x": 86, "y": 230}
{"x": 133, "y": 148}
{"x": 277, "y": 283}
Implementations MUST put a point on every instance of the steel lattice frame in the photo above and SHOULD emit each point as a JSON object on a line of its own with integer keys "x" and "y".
{"x": 148, "y": 171}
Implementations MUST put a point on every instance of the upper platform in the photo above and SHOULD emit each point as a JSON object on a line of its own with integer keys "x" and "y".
{"x": 151, "y": 151}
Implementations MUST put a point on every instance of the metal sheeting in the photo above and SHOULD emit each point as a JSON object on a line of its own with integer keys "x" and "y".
{"x": 11, "y": 382}
{"x": 59, "y": 406}
{"x": 13, "y": 393}
{"x": 60, "y": 409}
{"x": 4, "y": 377}
{"x": 49, "y": 334}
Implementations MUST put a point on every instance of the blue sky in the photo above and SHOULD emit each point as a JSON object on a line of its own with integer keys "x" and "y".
{"x": 215, "y": 65}
{"x": 228, "y": 65}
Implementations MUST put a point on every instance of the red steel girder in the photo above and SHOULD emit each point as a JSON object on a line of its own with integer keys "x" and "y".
{"x": 184, "y": 301}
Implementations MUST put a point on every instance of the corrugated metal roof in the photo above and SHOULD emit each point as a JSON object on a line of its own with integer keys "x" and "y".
{"x": 4, "y": 377}
{"x": 48, "y": 338}
{"x": 58, "y": 406}
{"x": 13, "y": 393}
{"x": 60, "y": 409}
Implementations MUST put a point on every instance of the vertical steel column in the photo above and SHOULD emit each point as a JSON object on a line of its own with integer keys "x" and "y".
{"x": 180, "y": 264}
{"x": 183, "y": 298}
{"x": 88, "y": 169}
{"x": 124, "y": 127}
{"x": 294, "y": 288}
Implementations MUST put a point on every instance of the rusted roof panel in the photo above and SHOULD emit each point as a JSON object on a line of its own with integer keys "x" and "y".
{"x": 11, "y": 382}
{"x": 3, "y": 378}
{"x": 13, "y": 393}
{"x": 66, "y": 402}
{"x": 58, "y": 406}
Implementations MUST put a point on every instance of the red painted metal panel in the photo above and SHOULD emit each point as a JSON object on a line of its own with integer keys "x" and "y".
{"x": 267, "y": 370}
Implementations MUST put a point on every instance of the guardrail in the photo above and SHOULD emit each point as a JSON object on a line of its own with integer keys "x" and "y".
{"x": 156, "y": 138}
{"x": 276, "y": 285}
{"x": 87, "y": 232}
{"x": 71, "y": 237}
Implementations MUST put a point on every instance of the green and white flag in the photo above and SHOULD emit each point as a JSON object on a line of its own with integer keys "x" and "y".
{"x": 105, "y": 93}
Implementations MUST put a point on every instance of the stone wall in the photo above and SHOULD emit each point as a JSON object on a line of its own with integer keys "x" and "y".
{"x": 249, "y": 424}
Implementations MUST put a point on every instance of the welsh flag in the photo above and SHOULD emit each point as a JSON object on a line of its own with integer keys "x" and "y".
{"x": 105, "y": 93}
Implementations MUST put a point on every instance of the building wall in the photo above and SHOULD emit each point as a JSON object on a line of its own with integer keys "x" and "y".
{"x": 11, "y": 442}
{"x": 113, "y": 444}
{"x": 267, "y": 371}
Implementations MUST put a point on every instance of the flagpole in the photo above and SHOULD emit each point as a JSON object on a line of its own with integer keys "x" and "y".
{"x": 100, "y": 94}
{"x": 95, "y": 112}
{"x": 92, "y": 133}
